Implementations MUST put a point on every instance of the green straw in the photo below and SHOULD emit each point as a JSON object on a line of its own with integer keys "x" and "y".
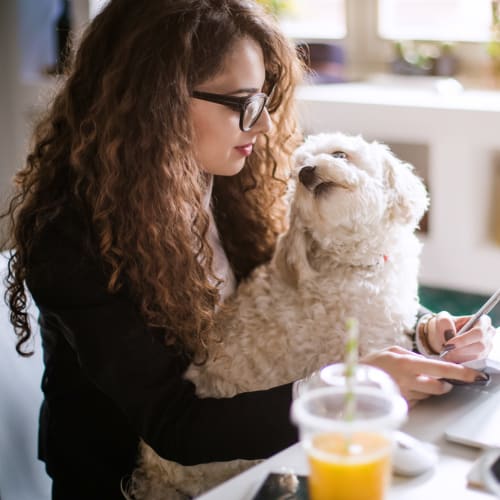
{"x": 351, "y": 363}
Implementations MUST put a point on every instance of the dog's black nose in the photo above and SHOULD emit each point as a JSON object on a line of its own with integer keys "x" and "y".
{"x": 307, "y": 176}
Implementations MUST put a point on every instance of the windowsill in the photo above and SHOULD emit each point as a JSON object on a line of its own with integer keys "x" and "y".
{"x": 406, "y": 91}
{"x": 480, "y": 80}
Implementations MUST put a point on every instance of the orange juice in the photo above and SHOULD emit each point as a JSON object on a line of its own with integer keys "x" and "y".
{"x": 357, "y": 467}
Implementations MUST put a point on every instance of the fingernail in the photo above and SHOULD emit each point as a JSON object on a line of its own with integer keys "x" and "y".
{"x": 484, "y": 377}
{"x": 448, "y": 347}
{"x": 448, "y": 334}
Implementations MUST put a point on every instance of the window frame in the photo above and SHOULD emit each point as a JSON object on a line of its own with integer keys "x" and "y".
{"x": 368, "y": 53}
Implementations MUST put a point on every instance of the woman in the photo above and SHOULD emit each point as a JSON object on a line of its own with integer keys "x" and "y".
{"x": 154, "y": 184}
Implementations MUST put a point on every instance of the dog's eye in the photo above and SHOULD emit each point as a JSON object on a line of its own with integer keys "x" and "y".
{"x": 339, "y": 154}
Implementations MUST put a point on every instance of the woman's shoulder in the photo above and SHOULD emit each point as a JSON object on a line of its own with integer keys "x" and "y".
{"x": 62, "y": 233}
{"x": 63, "y": 256}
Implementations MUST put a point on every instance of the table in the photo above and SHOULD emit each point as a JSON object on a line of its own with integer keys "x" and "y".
{"x": 427, "y": 421}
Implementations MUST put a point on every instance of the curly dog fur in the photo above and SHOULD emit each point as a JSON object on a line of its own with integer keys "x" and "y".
{"x": 350, "y": 251}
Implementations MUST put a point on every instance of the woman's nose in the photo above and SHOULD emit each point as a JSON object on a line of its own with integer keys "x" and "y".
{"x": 263, "y": 124}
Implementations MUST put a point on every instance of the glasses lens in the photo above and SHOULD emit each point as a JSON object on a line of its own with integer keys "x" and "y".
{"x": 253, "y": 111}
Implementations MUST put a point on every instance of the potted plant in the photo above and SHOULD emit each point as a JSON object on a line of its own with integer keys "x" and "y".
{"x": 494, "y": 44}
{"x": 277, "y": 7}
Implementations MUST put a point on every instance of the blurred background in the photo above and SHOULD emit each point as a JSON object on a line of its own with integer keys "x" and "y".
{"x": 422, "y": 76}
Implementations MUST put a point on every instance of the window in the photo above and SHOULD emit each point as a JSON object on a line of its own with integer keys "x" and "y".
{"x": 36, "y": 40}
{"x": 315, "y": 19}
{"x": 446, "y": 20}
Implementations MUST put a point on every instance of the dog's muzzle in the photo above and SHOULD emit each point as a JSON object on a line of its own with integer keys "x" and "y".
{"x": 313, "y": 182}
{"x": 309, "y": 178}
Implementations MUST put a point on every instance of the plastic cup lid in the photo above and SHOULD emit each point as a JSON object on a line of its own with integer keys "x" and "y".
{"x": 321, "y": 409}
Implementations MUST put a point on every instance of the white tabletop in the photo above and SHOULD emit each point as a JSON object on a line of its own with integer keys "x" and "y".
{"x": 427, "y": 421}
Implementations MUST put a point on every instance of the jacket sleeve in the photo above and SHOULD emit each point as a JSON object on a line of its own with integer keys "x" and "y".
{"x": 123, "y": 358}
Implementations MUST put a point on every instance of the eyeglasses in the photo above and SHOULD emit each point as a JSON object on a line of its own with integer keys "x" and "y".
{"x": 250, "y": 108}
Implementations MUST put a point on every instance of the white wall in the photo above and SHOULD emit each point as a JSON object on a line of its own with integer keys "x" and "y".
{"x": 7, "y": 106}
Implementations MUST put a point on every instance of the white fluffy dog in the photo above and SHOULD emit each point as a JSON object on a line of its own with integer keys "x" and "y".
{"x": 350, "y": 251}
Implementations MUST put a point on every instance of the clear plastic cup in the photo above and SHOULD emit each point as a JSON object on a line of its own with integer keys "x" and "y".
{"x": 364, "y": 375}
{"x": 349, "y": 455}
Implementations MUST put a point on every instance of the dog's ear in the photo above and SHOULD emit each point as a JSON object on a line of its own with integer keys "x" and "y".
{"x": 290, "y": 259}
{"x": 408, "y": 200}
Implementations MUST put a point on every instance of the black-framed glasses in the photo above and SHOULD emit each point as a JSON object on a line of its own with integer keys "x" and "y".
{"x": 250, "y": 108}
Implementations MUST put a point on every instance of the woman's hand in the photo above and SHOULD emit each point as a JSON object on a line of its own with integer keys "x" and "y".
{"x": 419, "y": 377}
{"x": 474, "y": 344}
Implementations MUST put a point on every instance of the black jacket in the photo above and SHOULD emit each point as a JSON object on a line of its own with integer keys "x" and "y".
{"x": 109, "y": 379}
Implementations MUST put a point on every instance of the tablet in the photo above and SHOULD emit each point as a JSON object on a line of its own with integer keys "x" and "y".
{"x": 487, "y": 365}
{"x": 479, "y": 426}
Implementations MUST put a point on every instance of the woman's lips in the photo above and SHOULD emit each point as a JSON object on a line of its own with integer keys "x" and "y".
{"x": 245, "y": 150}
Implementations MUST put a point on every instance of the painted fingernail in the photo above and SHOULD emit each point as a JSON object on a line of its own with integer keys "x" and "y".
{"x": 452, "y": 381}
{"x": 448, "y": 347}
{"x": 484, "y": 377}
{"x": 448, "y": 334}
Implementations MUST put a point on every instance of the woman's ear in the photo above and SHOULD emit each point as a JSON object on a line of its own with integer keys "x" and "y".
{"x": 290, "y": 259}
{"x": 409, "y": 200}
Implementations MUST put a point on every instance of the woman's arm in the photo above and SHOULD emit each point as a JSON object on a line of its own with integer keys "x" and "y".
{"x": 125, "y": 360}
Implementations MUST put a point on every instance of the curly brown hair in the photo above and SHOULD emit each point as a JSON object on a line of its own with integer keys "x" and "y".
{"x": 116, "y": 144}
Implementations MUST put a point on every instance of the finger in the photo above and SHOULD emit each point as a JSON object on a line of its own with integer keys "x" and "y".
{"x": 401, "y": 350}
{"x": 460, "y": 321}
{"x": 483, "y": 322}
{"x": 476, "y": 350}
{"x": 431, "y": 385}
{"x": 474, "y": 336}
{"x": 441, "y": 330}
{"x": 445, "y": 325}
{"x": 441, "y": 369}
{"x": 463, "y": 358}
{"x": 480, "y": 338}
{"x": 412, "y": 402}
{"x": 455, "y": 372}
{"x": 416, "y": 396}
